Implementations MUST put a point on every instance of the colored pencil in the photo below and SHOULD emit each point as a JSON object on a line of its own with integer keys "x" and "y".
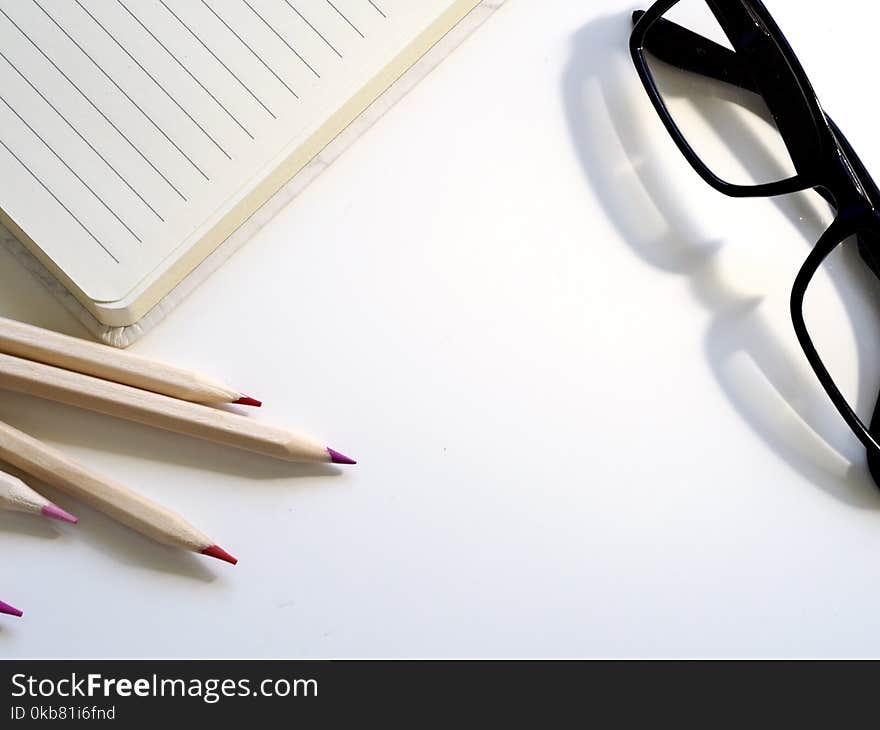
{"x": 122, "y": 504}
{"x": 108, "y": 363}
{"x": 16, "y": 496}
{"x": 10, "y": 610}
{"x": 160, "y": 411}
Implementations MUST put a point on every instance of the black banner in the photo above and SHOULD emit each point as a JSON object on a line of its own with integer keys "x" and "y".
{"x": 230, "y": 693}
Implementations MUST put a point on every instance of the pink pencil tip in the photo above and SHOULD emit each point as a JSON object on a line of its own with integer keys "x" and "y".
{"x": 10, "y": 610}
{"x": 338, "y": 458}
{"x": 54, "y": 512}
{"x": 218, "y": 552}
{"x": 246, "y": 400}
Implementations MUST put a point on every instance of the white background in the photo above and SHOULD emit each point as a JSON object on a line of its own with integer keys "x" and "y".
{"x": 564, "y": 363}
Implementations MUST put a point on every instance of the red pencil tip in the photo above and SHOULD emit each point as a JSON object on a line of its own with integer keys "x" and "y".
{"x": 338, "y": 458}
{"x": 246, "y": 400}
{"x": 218, "y": 552}
{"x": 10, "y": 610}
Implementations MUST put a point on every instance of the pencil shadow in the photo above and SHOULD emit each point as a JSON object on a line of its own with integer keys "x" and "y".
{"x": 27, "y": 525}
{"x": 110, "y": 538}
{"x": 613, "y": 138}
{"x": 133, "y": 549}
{"x": 63, "y": 424}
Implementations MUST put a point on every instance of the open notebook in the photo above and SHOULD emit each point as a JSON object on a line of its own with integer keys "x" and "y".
{"x": 136, "y": 135}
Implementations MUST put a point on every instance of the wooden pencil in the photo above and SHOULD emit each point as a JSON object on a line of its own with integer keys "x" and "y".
{"x": 10, "y": 610}
{"x": 160, "y": 411}
{"x": 102, "y": 361}
{"x": 119, "y": 502}
{"x": 16, "y": 496}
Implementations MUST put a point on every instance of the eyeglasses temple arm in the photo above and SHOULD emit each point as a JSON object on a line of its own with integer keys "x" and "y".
{"x": 692, "y": 52}
{"x": 689, "y": 51}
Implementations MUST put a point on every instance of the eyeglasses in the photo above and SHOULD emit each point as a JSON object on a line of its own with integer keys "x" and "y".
{"x": 798, "y": 147}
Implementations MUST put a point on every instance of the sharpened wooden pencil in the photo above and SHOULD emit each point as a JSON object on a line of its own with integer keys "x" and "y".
{"x": 10, "y": 610}
{"x": 16, "y": 496}
{"x": 160, "y": 411}
{"x": 108, "y": 363}
{"x": 121, "y": 503}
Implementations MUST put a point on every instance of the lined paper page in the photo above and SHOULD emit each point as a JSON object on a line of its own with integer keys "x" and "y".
{"x": 127, "y": 127}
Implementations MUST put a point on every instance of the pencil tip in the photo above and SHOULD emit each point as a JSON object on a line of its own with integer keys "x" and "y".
{"x": 54, "y": 512}
{"x": 338, "y": 458}
{"x": 246, "y": 400}
{"x": 218, "y": 552}
{"x": 10, "y": 610}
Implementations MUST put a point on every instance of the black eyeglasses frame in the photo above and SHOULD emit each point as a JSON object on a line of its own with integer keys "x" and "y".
{"x": 763, "y": 62}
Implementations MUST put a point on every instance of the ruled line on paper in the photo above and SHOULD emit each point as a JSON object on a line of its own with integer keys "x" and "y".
{"x": 281, "y": 38}
{"x": 248, "y": 46}
{"x": 345, "y": 18}
{"x": 58, "y": 200}
{"x": 125, "y": 99}
{"x": 69, "y": 168}
{"x": 378, "y": 9}
{"x": 80, "y": 135}
{"x": 122, "y": 91}
{"x": 154, "y": 80}
{"x": 95, "y": 107}
{"x": 186, "y": 70}
{"x": 317, "y": 32}
{"x": 219, "y": 60}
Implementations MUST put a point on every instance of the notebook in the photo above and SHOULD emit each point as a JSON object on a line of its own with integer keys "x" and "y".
{"x": 137, "y": 135}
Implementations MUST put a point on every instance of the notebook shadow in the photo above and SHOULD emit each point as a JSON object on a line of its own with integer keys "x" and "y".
{"x": 608, "y": 128}
{"x": 24, "y": 298}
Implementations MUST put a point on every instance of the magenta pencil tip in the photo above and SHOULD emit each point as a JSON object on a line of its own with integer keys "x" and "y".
{"x": 218, "y": 552}
{"x": 54, "y": 512}
{"x": 246, "y": 400}
{"x": 338, "y": 458}
{"x": 10, "y": 610}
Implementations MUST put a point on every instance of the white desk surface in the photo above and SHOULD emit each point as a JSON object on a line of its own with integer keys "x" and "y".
{"x": 565, "y": 364}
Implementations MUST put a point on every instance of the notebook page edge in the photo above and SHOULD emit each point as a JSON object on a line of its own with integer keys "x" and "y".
{"x": 468, "y": 15}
